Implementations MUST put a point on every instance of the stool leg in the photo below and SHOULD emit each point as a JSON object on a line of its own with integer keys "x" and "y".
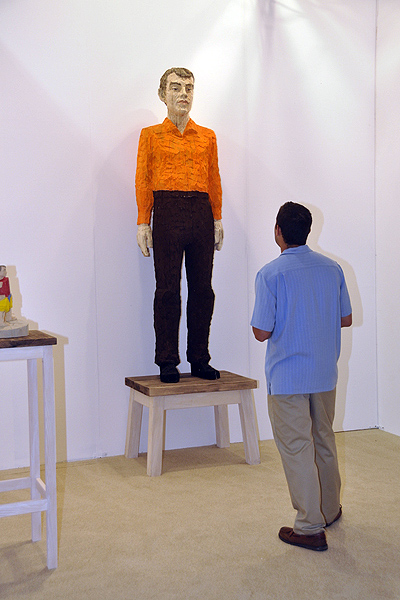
{"x": 34, "y": 451}
{"x": 134, "y": 426}
{"x": 156, "y": 437}
{"x": 50, "y": 456}
{"x": 222, "y": 425}
{"x": 249, "y": 429}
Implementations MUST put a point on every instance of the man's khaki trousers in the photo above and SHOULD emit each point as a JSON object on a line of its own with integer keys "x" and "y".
{"x": 302, "y": 428}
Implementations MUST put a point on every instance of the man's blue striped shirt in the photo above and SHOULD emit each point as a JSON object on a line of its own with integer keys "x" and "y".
{"x": 301, "y": 297}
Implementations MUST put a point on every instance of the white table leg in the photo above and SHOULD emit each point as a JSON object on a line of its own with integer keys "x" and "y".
{"x": 34, "y": 449}
{"x": 249, "y": 430}
{"x": 156, "y": 437}
{"x": 134, "y": 427}
{"x": 222, "y": 425}
{"x": 50, "y": 456}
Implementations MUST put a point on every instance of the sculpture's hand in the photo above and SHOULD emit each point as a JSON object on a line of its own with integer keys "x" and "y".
{"x": 144, "y": 238}
{"x": 218, "y": 235}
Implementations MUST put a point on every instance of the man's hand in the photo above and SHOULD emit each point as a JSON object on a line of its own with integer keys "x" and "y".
{"x": 144, "y": 238}
{"x": 261, "y": 335}
{"x": 347, "y": 321}
{"x": 218, "y": 235}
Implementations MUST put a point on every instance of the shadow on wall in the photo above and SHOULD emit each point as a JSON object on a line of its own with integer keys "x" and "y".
{"x": 125, "y": 306}
{"x": 357, "y": 307}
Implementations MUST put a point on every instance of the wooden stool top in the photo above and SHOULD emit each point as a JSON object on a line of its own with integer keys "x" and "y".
{"x": 151, "y": 385}
{"x": 35, "y": 338}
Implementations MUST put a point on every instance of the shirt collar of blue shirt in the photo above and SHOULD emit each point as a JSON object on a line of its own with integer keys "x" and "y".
{"x": 297, "y": 250}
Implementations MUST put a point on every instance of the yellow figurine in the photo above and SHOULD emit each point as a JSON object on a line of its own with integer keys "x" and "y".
{"x": 10, "y": 326}
{"x": 5, "y": 298}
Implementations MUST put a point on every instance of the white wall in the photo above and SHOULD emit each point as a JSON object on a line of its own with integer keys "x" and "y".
{"x": 311, "y": 123}
{"x": 388, "y": 213}
{"x": 289, "y": 89}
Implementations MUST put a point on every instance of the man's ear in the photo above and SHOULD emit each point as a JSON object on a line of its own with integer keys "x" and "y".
{"x": 161, "y": 95}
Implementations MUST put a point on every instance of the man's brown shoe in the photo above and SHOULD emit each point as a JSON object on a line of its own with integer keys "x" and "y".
{"x": 336, "y": 518}
{"x": 317, "y": 541}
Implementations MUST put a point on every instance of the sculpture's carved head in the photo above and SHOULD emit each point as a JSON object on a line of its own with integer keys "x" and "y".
{"x": 176, "y": 90}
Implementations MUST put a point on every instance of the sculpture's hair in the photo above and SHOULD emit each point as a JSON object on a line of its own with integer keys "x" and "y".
{"x": 295, "y": 223}
{"x": 180, "y": 71}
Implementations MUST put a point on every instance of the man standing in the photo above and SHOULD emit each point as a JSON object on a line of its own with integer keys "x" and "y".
{"x": 177, "y": 180}
{"x": 301, "y": 303}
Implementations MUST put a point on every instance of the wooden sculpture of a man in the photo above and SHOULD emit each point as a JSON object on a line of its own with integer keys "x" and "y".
{"x": 178, "y": 182}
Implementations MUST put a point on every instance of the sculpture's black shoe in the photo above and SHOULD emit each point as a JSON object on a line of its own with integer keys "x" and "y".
{"x": 317, "y": 541}
{"x": 336, "y": 518}
{"x": 169, "y": 373}
{"x": 204, "y": 371}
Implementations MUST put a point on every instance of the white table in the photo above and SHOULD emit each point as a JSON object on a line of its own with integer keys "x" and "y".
{"x": 188, "y": 393}
{"x": 37, "y": 345}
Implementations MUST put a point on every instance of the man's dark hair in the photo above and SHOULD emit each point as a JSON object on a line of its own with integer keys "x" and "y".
{"x": 180, "y": 71}
{"x": 295, "y": 223}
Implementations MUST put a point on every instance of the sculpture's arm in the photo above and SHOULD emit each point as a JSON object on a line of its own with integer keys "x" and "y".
{"x": 144, "y": 178}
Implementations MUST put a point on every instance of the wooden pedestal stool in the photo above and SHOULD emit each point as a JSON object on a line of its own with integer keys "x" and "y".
{"x": 37, "y": 345}
{"x": 188, "y": 393}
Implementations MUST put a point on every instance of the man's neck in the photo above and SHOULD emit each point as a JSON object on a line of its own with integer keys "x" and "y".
{"x": 285, "y": 246}
{"x": 180, "y": 122}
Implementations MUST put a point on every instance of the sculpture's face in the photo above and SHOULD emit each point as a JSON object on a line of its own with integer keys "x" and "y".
{"x": 178, "y": 95}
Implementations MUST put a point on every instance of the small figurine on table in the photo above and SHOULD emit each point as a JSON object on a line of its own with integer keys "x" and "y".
{"x": 5, "y": 298}
{"x": 10, "y": 326}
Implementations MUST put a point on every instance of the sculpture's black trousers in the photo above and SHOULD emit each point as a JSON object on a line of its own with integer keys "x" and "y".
{"x": 183, "y": 224}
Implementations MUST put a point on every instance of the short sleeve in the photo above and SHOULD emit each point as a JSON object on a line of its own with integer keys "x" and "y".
{"x": 265, "y": 305}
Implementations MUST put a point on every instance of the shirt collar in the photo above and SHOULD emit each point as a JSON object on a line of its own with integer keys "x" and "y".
{"x": 172, "y": 128}
{"x": 298, "y": 250}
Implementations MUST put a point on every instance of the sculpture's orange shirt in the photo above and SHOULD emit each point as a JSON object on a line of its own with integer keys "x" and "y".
{"x": 169, "y": 160}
